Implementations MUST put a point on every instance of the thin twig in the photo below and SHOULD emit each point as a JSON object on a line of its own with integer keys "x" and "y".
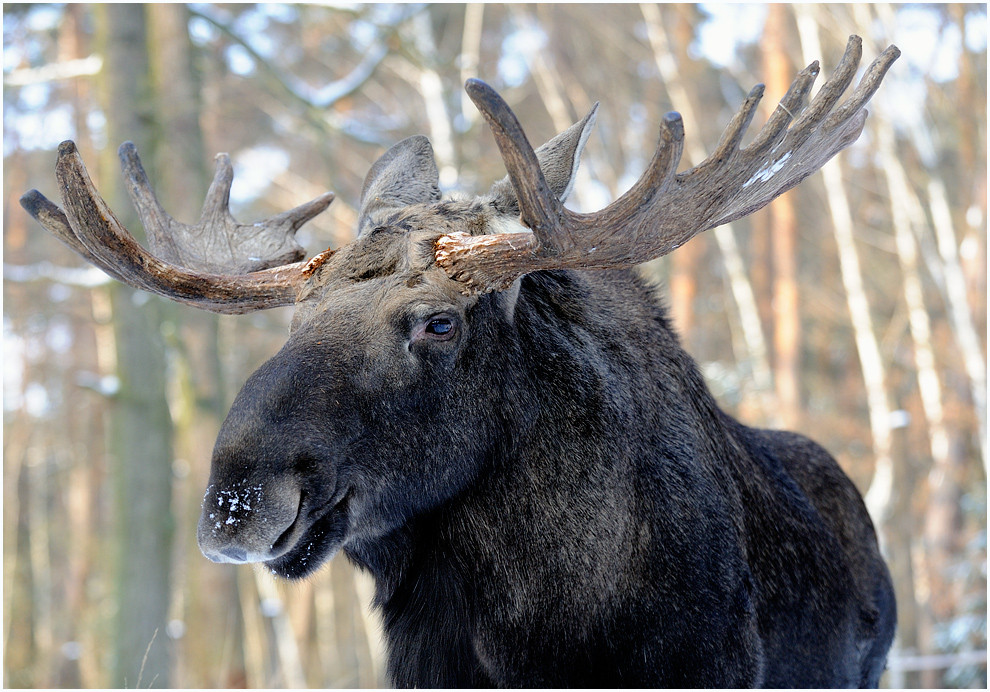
{"x": 317, "y": 102}
{"x": 144, "y": 660}
{"x": 325, "y": 97}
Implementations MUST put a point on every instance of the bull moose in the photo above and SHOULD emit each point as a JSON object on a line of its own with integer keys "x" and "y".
{"x": 484, "y": 406}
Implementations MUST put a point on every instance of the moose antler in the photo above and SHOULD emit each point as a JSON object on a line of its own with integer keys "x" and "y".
{"x": 664, "y": 209}
{"x": 219, "y": 265}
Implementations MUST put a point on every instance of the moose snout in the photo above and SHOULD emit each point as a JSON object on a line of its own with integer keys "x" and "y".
{"x": 248, "y": 522}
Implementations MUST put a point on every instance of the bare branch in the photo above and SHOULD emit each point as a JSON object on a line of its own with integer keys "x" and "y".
{"x": 327, "y": 96}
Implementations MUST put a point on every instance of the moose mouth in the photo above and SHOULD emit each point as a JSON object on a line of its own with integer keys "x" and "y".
{"x": 317, "y": 543}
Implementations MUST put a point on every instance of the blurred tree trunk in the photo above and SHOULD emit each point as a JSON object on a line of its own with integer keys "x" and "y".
{"x": 426, "y": 77}
{"x": 943, "y": 514}
{"x": 883, "y": 497}
{"x": 942, "y": 518}
{"x": 345, "y": 626}
{"x": 474, "y": 14}
{"x": 181, "y": 182}
{"x": 81, "y": 488}
{"x": 761, "y": 266}
{"x": 141, "y": 429}
{"x": 21, "y": 652}
{"x": 20, "y": 649}
{"x": 783, "y": 234}
{"x": 974, "y": 358}
{"x": 684, "y": 262}
{"x": 944, "y": 260}
{"x": 742, "y": 290}
{"x": 971, "y": 110}
{"x": 867, "y": 345}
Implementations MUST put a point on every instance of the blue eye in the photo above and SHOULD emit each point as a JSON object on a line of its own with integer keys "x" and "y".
{"x": 440, "y": 326}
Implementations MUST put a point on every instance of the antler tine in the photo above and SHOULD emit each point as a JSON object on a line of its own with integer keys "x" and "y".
{"x": 89, "y": 226}
{"x": 216, "y": 206}
{"x": 657, "y": 177}
{"x": 294, "y": 218}
{"x": 218, "y": 243}
{"x": 868, "y": 86}
{"x": 49, "y": 215}
{"x": 154, "y": 218}
{"x": 832, "y": 89}
{"x": 539, "y": 208}
{"x": 736, "y": 129}
{"x": 785, "y": 111}
{"x": 664, "y": 209}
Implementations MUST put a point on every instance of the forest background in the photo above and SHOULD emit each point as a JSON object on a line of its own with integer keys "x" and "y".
{"x": 853, "y": 309}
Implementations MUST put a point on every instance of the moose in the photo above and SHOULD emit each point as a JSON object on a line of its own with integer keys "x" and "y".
{"x": 483, "y": 405}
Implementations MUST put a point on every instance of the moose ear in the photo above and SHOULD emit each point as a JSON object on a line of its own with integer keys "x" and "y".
{"x": 559, "y": 159}
{"x": 405, "y": 174}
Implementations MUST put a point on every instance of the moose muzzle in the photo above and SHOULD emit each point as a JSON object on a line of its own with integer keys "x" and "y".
{"x": 248, "y": 521}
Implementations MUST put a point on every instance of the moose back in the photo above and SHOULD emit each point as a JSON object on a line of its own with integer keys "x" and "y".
{"x": 481, "y": 404}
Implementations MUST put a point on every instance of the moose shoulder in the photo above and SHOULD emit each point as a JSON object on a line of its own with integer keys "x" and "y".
{"x": 482, "y": 404}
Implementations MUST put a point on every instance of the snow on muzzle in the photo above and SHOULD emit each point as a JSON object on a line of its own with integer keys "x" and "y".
{"x": 249, "y": 521}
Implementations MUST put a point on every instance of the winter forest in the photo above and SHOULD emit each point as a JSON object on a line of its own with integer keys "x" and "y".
{"x": 853, "y": 309}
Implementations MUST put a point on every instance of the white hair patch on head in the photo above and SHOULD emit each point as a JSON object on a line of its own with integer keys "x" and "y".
{"x": 457, "y": 196}
{"x": 506, "y": 224}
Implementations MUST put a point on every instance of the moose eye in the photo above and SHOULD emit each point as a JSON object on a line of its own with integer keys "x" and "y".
{"x": 440, "y": 327}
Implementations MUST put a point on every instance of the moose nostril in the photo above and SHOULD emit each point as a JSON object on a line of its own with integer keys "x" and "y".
{"x": 234, "y": 554}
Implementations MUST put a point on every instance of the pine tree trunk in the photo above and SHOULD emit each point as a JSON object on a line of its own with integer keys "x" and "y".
{"x": 783, "y": 234}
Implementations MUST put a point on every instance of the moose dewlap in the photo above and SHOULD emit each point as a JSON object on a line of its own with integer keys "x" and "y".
{"x": 481, "y": 404}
